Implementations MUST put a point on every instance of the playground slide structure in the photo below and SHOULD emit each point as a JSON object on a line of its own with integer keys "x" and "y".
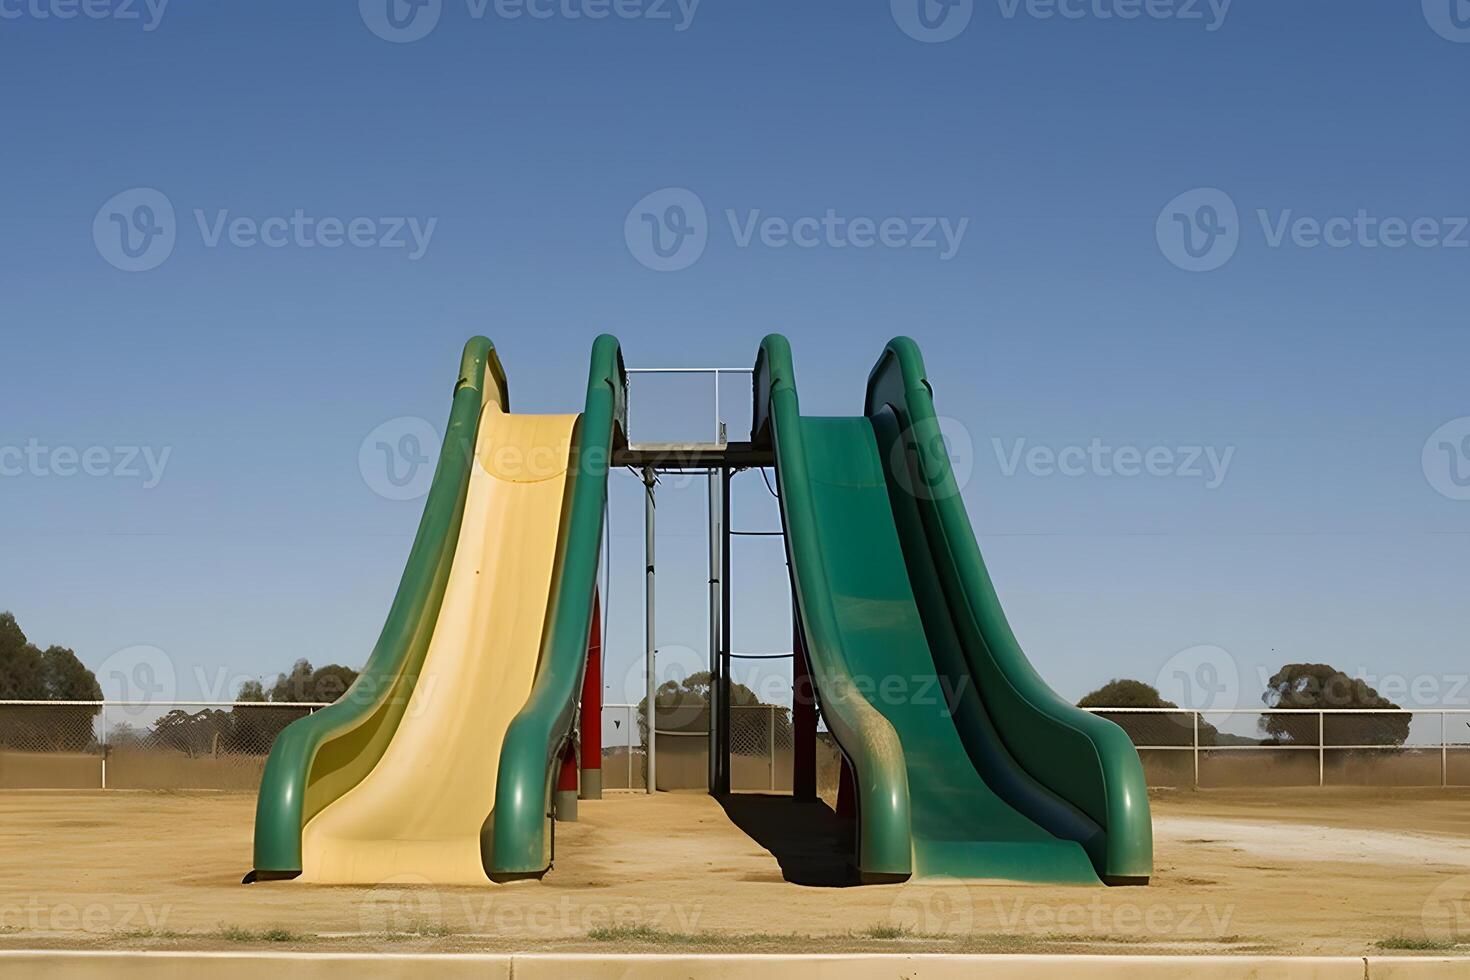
{"x": 438, "y": 763}
{"x": 964, "y": 762}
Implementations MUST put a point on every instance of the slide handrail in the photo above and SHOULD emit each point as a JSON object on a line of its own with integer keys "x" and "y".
{"x": 1082, "y": 758}
{"x": 318, "y": 758}
{"x": 869, "y": 739}
{"x": 515, "y": 840}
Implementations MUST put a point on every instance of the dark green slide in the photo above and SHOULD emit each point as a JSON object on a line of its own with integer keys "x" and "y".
{"x": 965, "y": 763}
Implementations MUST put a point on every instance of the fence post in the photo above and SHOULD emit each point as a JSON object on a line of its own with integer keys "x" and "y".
{"x": 1322, "y": 748}
{"x": 103, "y": 742}
{"x": 1444, "y": 753}
{"x": 771, "y": 716}
{"x": 1196, "y": 750}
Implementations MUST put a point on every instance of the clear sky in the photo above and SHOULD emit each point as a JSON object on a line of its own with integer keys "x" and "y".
{"x": 1091, "y": 222}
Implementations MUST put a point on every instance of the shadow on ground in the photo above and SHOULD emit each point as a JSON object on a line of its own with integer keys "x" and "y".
{"x": 811, "y": 843}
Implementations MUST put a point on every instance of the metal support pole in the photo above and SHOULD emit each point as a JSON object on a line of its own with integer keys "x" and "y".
{"x": 590, "y": 742}
{"x": 1444, "y": 753}
{"x": 771, "y": 741}
{"x": 1196, "y": 750}
{"x": 1322, "y": 748}
{"x": 103, "y": 742}
{"x": 719, "y": 433}
{"x": 715, "y": 665}
{"x": 722, "y": 690}
{"x": 649, "y": 640}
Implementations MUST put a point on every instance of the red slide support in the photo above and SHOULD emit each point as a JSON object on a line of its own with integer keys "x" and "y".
{"x": 591, "y": 744}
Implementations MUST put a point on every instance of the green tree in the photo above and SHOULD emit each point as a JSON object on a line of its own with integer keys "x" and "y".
{"x": 254, "y": 729}
{"x": 305, "y": 683}
{"x": 28, "y": 673}
{"x": 1148, "y": 728}
{"x": 22, "y": 674}
{"x": 1324, "y": 686}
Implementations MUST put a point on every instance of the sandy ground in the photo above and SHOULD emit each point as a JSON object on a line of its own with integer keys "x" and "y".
{"x": 1289, "y": 871}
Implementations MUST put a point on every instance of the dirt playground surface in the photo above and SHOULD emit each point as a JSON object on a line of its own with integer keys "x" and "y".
{"x": 1335, "y": 871}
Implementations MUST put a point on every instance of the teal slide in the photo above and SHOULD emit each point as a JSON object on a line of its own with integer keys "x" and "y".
{"x": 965, "y": 763}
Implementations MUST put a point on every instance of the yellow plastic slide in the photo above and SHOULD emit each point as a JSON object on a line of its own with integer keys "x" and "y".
{"x": 419, "y": 812}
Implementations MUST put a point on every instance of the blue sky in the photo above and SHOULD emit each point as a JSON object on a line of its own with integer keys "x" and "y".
{"x": 1061, "y": 152}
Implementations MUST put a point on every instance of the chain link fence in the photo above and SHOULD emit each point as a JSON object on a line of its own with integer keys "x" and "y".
{"x": 139, "y": 745}
{"x": 224, "y": 745}
{"x": 1265, "y": 747}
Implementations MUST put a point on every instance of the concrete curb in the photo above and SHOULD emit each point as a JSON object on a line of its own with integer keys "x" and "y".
{"x": 243, "y": 964}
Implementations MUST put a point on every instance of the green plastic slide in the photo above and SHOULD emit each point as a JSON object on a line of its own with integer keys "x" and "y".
{"x": 965, "y": 763}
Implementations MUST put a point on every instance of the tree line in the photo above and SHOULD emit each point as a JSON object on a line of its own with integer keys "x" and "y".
{"x": 1299, "y": 685}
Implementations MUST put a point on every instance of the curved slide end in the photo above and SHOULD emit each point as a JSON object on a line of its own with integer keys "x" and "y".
{"x": 1082, "y": 758}
{"x": 317, "y": 759}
